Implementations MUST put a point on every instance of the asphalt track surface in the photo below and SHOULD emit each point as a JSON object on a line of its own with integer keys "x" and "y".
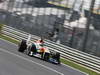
{"x": 14, "y": 63}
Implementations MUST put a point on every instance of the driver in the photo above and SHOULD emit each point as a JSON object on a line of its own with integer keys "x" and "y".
{"x": 40, "y": 41}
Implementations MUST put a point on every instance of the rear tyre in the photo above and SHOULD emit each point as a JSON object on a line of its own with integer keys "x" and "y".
{"x": 22, "y": 46}
{"x": 33, "y": 48}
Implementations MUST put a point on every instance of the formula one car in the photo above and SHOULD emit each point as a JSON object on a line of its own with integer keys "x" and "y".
{"x": 39, "y": 50}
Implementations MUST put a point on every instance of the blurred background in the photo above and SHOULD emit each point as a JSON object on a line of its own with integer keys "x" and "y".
{"x": 61, "y": 21}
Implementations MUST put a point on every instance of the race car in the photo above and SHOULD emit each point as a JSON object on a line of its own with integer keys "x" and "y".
{"x": 39, "y": 50}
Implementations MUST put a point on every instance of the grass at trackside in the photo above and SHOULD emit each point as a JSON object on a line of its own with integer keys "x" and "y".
{"x": 8, "y": 38}
{"x": 79, "y": 67}
{"x": 67, "y": 62}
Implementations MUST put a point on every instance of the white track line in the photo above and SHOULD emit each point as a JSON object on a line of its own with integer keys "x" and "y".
{"x": 3, "y": 50}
